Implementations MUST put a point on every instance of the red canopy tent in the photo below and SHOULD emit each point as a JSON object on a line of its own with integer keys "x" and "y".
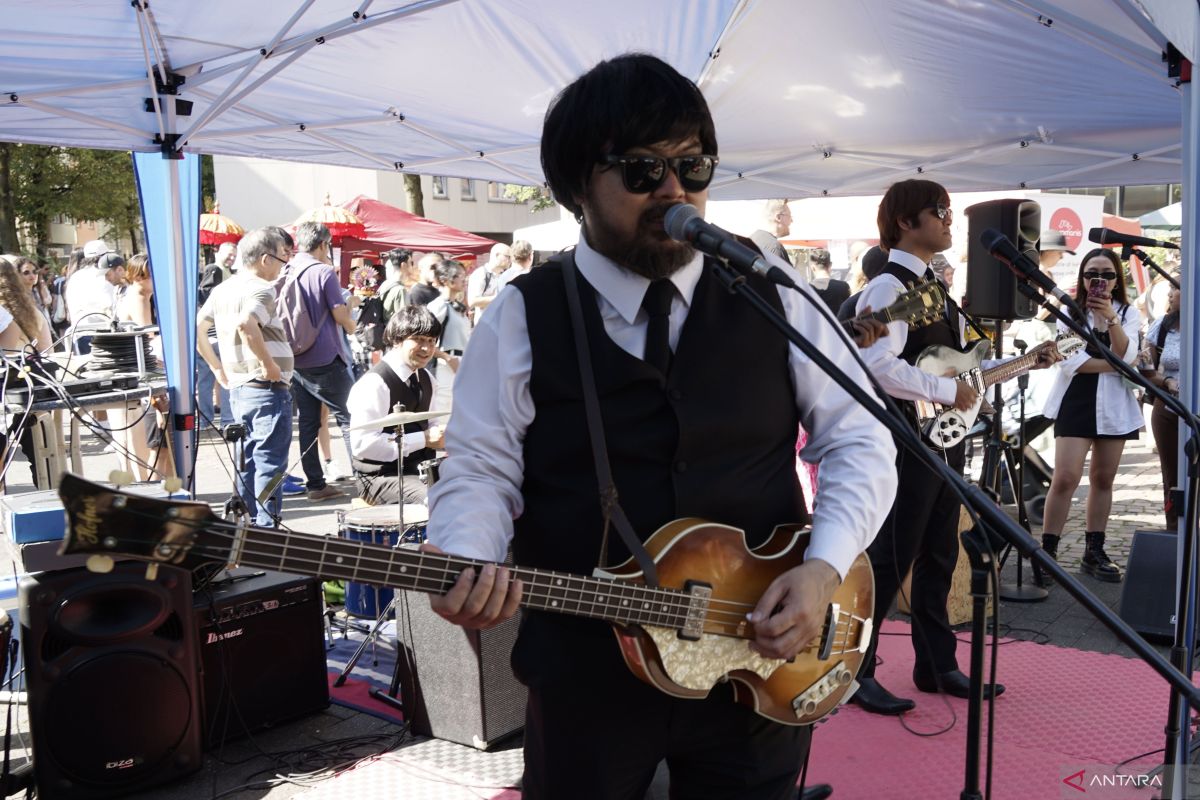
{"x": 388, "y": 227}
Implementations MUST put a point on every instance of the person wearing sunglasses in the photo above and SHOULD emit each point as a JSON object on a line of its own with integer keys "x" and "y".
{"x": 1094, "y": 411}
{"x": 701, "y": 401}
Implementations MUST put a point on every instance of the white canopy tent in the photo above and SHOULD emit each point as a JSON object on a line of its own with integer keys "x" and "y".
{"x": 817, "y": 98}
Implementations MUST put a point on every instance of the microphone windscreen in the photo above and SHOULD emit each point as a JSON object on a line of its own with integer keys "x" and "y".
{"x": 990, "y": 239}
{"x": 1098, "y": 235}
{"x": 676, "y": 220}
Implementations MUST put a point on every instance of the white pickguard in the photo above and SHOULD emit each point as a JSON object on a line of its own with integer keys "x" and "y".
{"x": 700, "y": 664}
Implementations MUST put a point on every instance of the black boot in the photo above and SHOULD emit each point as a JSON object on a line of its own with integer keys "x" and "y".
{"x": 1096, "y": 562}
{"x": 1050, "y": 545}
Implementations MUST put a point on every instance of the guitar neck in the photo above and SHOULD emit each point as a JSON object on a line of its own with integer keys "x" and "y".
{"x": 561, "y": 592}
{"x": 1011, "y": 369}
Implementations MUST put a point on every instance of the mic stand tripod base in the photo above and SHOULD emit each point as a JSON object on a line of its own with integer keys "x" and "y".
{"x": 1025, "y": 593}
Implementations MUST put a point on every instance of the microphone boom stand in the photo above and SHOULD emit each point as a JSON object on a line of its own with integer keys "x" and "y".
{"x": 987, "y": 510}
{"x": 1131, "y": 250}
{"x": 1175, "y": 759}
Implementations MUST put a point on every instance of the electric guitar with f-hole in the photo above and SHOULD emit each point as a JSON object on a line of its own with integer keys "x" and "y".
{"x": 681, "y": 637}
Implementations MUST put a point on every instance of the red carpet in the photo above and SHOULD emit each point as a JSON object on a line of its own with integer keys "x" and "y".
{"x": 1065, "y": 710}
{"x": 355, "y": 694}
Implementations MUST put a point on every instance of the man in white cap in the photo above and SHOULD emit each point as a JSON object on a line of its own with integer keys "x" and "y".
{"x": 89, "y": 294}
{"x": 1051, "y": 247}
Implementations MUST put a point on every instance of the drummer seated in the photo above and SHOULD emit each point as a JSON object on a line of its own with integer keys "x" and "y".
{"x": 399, "y": 380}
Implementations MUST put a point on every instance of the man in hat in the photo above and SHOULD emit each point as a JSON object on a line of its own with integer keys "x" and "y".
{"x": 1052, "y": 246}
{"x": 90, "y": 292}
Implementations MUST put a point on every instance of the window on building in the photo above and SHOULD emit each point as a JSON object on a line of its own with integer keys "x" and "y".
{"x": 1138, "y": 200}
{"x": 467, "y": 189}
{"x": 439, "y": 188}
{"x": 496, "y": 193}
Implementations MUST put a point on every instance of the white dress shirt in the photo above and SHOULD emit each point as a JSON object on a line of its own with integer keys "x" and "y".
{"x": 370, "y": 399}
{"x": 478, "y": 495}
{"x": 1117, "y": 410}
{"x": 88, "y": 292}
{"x": 897, "y": 377}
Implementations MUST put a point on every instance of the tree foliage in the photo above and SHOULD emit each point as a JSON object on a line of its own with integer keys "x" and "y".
{"x": 82, "y": 185}
{"x": 523, "y": 194}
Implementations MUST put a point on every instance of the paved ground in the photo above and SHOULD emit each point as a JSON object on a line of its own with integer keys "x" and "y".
{"x": 1058, "y": 619}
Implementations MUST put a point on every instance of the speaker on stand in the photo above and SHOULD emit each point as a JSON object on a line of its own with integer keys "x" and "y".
{"x": 110, "y": 661}
{"x": 991, "y": 286}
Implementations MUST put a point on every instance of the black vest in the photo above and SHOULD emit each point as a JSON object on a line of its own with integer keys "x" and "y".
{"x": 919, "y": 338}
{"x": 714, "y": 438}
{"x": 399, "y": 392}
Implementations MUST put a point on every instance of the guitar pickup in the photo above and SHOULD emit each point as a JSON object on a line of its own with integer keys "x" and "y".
{"x": 699, "y": 595}
{"x": 831, "y": 618}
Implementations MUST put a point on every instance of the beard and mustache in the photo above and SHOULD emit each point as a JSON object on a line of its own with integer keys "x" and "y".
{"x": 648, "y": 252}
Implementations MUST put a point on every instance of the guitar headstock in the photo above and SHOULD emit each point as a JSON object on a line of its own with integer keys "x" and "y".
{"x": 1067, "y": 345}
{"x": 920, "y": 305}
{"x": 106, "y": 522}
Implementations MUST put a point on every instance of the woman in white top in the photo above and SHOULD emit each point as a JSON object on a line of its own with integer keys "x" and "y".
{"x": 1093, "y": 410}
{"x": 1162, "y": 346}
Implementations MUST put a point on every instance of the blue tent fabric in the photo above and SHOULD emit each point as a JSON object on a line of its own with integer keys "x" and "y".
{"x": 169, "y": 193}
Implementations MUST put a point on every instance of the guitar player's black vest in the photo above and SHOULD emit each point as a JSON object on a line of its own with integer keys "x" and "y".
{"x": 921, "y": 337}
{"x": 714, "y": 438}
{"x": 399, "y": 392}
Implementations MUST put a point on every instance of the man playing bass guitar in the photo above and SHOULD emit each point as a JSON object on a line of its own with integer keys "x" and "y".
{"x": 700, "y": 402}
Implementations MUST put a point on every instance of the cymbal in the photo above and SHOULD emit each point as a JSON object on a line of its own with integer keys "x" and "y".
{"x": 398, "y": 418}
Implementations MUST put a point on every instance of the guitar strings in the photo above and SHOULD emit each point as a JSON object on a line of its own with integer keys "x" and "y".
{"x": 677, "y": 603}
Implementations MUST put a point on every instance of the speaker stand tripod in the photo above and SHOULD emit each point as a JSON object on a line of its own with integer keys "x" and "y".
{"x": 999, "y": 453}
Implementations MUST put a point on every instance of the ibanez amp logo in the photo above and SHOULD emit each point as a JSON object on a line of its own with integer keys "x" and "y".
{"x": 213, "y": 638}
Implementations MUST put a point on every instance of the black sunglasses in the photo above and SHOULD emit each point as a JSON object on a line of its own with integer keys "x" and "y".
{"x": 941, "y": 211}
{"x": 1108, "y": 276}
{"x": 644, "y": 174}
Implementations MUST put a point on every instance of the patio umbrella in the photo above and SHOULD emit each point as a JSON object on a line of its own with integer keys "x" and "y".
{"x": 1167, "y": 218}
{"x": 339, "y": 221}
{"x": 216, "y": 229}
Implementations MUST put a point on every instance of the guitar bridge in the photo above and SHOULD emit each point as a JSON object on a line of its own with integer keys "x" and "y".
{"x": 807, "y": 702}
{"x": 697, "y": 610}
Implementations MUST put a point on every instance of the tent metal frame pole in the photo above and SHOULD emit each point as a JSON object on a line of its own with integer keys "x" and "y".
{"x": 142, "y": 36}
{"x": 736, "y": 177}
{"x": 1089, "y": 34}
{"x": 417, "y": 166}
{"x": 224, "y": 101}
{"x": 328, "y": 33}
{"x": 91, "y": 120}
{"x": 298, "y": 127}
{"x": 72, "y": 91}
{"x": 731, "y": 22}
{"x": 1125, "y": 159}
{"x": 155, "y": 36}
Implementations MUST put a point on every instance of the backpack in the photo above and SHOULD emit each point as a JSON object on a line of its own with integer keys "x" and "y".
{"x": 372, "y": 319}
{"x": 294, "y": 312}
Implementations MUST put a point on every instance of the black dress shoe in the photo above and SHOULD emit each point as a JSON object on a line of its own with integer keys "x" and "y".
{"x": 954, "y": 683}
{"x": 877, "y": 700}
{"x": 818, "y": 791}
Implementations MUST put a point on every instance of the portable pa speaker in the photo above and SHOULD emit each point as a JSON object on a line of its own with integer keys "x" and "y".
{"x": 457, "y": 684}
{"x": 1148, "y": 593}
{"x": 992, "y": 286}
{"x": 262, "y": 652}
{"x": 110, "y": 661}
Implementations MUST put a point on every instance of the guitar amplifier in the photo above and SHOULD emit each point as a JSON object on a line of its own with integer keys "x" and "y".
{"x": 262, "y": 652}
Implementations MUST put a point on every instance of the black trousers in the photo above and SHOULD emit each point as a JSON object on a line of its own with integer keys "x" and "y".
{"x": 600, "y": 733}
{"x": 381, "y": 490}
{"x": 921, "y": 532}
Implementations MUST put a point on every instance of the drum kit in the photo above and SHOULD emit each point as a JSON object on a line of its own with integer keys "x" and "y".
{"x": 395, "y": 525}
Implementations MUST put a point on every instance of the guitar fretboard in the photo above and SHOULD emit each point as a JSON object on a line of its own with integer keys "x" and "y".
{"x": 561, "y": 592}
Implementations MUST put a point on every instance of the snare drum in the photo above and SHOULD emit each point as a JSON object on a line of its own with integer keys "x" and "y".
{"x": 378, "y": 525}
{"x": 430, "y": 471}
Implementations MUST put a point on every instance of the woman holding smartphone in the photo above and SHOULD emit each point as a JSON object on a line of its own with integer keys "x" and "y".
{"x": 1094, "y": 410}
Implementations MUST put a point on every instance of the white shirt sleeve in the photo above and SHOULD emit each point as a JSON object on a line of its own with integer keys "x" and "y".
{"x": 897, "y": 377}
{"x": 857, "y": 480}
{"x": 478, "y": 493}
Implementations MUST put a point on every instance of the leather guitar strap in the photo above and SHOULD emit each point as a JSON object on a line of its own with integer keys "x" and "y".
{"x": 610, "y": 505}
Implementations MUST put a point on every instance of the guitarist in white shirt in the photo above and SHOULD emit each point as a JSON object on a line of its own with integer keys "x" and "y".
{"x": 921, "y": 530}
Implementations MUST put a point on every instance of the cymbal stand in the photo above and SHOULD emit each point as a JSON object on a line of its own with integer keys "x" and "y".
{"x": 391, "y": 696}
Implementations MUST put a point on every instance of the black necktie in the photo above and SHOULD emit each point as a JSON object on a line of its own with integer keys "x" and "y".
{"x": 657, "y": 303}
{"x": 414, "y": 385}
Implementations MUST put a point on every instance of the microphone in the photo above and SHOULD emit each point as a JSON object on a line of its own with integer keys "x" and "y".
{"x": 1107, "y": 236}
{"x": 1006, "y": 252}
{"x": 684, "y": 224}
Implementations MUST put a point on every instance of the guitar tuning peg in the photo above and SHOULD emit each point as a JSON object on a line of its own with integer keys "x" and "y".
{"x": 152, "y": 571}
{"x": 120, "y": 478}
{"x": 100, "y": 564}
